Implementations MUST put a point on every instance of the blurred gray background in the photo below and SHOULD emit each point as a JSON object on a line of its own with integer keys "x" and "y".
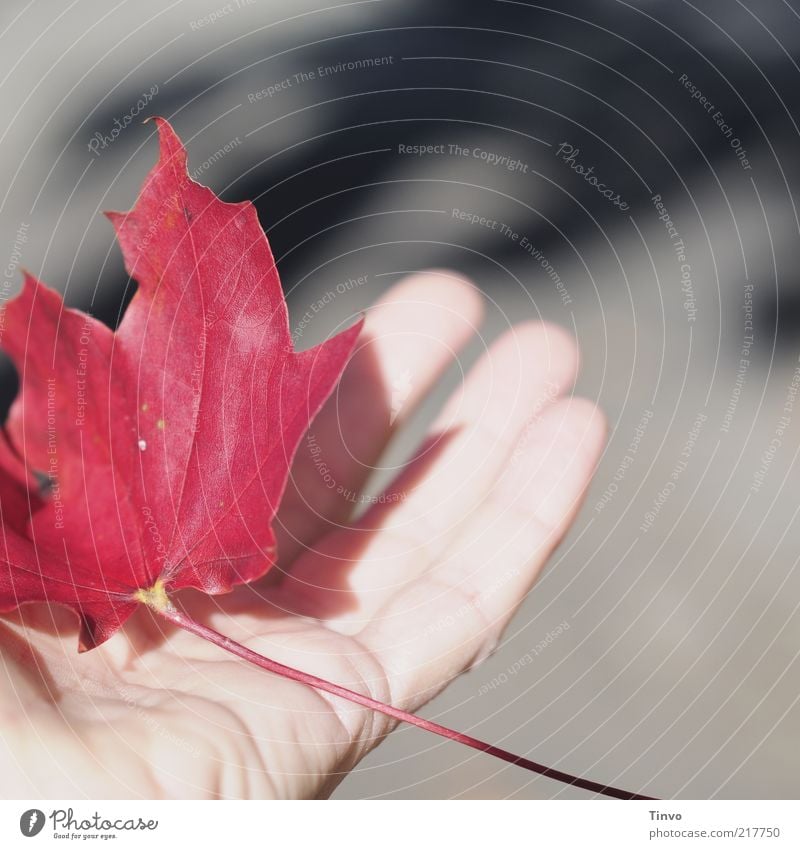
{"x": 678, "y": 673}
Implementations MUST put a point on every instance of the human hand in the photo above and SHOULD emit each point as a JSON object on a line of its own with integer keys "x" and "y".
{"x": 395, "y": 604}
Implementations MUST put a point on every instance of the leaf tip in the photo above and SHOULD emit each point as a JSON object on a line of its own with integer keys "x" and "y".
{"x": 117, "y": 220}
{"x": 171, "y": 147}
{"x": 31, "y": 288}
{"x": 354, "y": 331}
{"x": 29, "y": 280}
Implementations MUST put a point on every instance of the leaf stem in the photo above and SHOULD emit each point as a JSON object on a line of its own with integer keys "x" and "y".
{"x": 178, "y": 618}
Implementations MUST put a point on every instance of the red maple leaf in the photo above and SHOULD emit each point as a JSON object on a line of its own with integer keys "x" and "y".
{"x": 165, "y": 447}
{"x": 168, "y": 443}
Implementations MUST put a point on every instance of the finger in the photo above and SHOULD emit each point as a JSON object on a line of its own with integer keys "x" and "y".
{"x": 410, "y": 338}
{"x": 453, "y": 615}
{"x": 469, "y": 444}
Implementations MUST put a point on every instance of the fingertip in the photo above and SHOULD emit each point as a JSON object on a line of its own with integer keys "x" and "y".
{"x": 587, "y": 425}
{"x": 434, "y": 296}
{"x": 547, "y": 352}
{"x": 555, "y": 459}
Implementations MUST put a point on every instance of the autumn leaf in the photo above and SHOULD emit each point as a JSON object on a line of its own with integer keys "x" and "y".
{"x": 167, "y": 444}
{"x": 141, "y": 462}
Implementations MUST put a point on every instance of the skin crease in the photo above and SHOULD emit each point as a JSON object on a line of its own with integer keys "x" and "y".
{"x": 395, "y": 604}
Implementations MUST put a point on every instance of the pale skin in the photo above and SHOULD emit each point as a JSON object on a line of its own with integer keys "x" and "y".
{"x": 395, "y": 604}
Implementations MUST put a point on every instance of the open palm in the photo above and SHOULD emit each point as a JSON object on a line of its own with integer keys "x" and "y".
{"x": 394, "y": 603}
